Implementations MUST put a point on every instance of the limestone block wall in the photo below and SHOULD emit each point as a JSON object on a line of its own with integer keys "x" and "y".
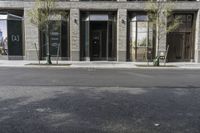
{"x": 121, "y": 34}
{"x": 197, "y": 38}
{"x": 31, "y": 37}
{"x": 75, "y": 34}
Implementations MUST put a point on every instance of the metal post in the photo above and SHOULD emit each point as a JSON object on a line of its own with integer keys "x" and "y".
{"x": 37, "y": 51}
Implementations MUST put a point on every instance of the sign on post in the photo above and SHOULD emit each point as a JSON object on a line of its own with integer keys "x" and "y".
{"x": 162, "y": 55}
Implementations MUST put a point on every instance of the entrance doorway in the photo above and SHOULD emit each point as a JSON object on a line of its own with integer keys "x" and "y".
{"x": 181, "y": 44}
{"x": 98, "y": 37}
{"x": 141, "y": 38}
{"x": 98, "y": 47}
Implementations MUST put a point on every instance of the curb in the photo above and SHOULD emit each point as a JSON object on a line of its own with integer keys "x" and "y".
{"x": 102, "y": 67}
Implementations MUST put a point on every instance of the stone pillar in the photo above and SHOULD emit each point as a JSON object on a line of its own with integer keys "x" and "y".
{"x": 31, "y": 36}
{"x": 75, "y": 34}
{"x": 197, "y": 38}
{"x": 121, "y": 34}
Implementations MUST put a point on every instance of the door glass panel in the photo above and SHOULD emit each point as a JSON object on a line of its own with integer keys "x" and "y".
{"x": 187, "y": 51}
{"x": 65, "y": 47}
{"x": 111, "y": 47}
{"x": 112, "y": 37}
{"x": 142, "y": 27}
{"x": 87, "y": 38}
{"x": 132, "y": 33}
{"x": 142, "y": 31}
{"x": 141, "y": 39}
{"x": 150, "y": 43}
{"x": 132, "y": 40}
{"x": 96, "y": 44}
{"x": 104, "y": 45}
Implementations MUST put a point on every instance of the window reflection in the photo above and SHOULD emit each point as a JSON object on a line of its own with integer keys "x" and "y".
{"x": 142, "y": 34}
{"x": 140, "y": 38}
{"x": 58, "y": 38}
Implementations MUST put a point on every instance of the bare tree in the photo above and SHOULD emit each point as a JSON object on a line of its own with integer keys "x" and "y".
{"x": 158, "y": 13}
{"x": 40, "y": 16}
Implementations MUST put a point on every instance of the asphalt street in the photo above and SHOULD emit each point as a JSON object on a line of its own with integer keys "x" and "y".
{"x": 65, "y": 100}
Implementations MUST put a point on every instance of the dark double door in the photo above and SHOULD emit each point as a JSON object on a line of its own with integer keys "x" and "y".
{"x": 98, "y": 41}
{"x": 180, "y": 47}
{"x": 181, "y": 41}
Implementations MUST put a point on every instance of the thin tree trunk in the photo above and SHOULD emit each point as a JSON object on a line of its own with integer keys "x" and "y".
{"x": 157, "y": 37}
{"x": 48, "y": 58}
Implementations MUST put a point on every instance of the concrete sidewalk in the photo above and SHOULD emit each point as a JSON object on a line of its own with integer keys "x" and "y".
{"x": 99, "y": 64}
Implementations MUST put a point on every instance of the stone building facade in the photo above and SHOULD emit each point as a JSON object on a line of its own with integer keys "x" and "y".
{"x": 103, "y": 30}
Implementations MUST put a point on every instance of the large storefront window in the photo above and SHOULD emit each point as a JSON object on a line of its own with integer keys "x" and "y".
{"x": 3, "y": 38}
{"x": 11, "y": 40}
{"x": 98, "y": 36}
{"x": 58, "y": 38}
{"x": 140, "y": 47}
